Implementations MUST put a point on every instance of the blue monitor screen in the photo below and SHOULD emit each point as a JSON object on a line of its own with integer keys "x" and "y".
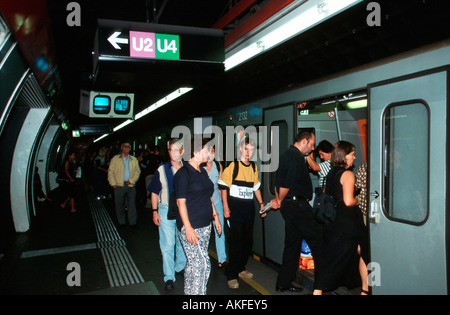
{"x": 122, "y": 105}
{"x": 102, "y": 104}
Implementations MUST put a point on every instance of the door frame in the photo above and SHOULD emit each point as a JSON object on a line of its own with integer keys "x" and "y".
{"x": 446, "y": 213}
{"x": 267, "y": 196}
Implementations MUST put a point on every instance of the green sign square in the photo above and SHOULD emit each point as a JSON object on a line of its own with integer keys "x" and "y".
{"x": 167, "y": 46}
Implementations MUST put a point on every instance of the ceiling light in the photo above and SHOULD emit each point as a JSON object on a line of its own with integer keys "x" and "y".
{"x": 166, "y": 99}
{"x": 356, "y": 104}
{"x": 100, "y": 138}
{"x": 304, "y": 17}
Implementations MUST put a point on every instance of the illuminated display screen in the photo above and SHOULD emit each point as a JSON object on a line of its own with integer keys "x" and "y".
{"x": 122, "y": 105}
{"x": 102, "y": 104}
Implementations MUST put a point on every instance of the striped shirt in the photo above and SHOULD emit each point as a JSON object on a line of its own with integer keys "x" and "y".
{"x": 325, "y": 167}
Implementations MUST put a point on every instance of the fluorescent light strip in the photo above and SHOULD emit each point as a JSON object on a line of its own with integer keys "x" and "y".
{"x": 162, "y": 102}
{"x": 101, "y": 137}
{"x": 312, "y": 14}
{"x": 166, "y": 99}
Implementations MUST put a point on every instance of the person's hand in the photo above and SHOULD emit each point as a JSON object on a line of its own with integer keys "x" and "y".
{"x": 218, "y": 225}
{"x": 260, "y": 208}
{"x": 156, "y": 218}
{"x": 275, "y": 203}
{"x": 226, "y": 212}
{"x": 191, "y": 235}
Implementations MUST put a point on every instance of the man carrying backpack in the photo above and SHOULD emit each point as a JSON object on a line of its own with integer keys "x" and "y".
{"x": 239, "y": 183}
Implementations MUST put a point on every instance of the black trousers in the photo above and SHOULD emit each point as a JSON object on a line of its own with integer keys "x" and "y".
{"x": 299, "y": 224}
{"x": 240, "y": 248}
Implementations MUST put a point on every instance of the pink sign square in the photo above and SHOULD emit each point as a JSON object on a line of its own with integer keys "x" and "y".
{"x": 142, "y": 44}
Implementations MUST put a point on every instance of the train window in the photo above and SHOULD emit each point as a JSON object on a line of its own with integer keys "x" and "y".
{"x": 406, "y": 160}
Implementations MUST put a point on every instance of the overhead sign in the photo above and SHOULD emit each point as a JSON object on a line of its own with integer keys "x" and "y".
{"x": 158, "y": 41}
{"x": 148, "y": 45}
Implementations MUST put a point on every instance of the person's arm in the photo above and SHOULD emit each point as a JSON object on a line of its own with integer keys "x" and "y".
{"x": 154, "y": 188}
{"x": 226, "y": 209}
{"x": 348, "y": 188}
{"x": 260, "y": 201}
{"x": 66, "y": 170}
{"x": 111, "y": 171}
{"x": 216, "y": 219}
{"x": 154, "y": 198}
{"x": 225, "y": 181}
{"x": 312, "y": 163}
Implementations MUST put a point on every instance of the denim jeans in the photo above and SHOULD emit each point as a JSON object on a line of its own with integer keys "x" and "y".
{"x": 220, "y": 240}
{"x": 174, "y": 259}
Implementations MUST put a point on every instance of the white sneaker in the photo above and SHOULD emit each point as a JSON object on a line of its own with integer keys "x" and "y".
{"x": 246, "y": 274}
{"x": 233, "y": 284}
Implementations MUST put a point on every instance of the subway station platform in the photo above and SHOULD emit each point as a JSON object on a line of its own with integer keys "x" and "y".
{"x": 87, "y": 253}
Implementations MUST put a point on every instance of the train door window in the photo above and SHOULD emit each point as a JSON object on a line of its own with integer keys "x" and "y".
{"x": 282, "y": 145}
{"x": 406, "y": 160}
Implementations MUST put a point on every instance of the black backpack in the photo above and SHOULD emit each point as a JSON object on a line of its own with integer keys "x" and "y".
{"x": 324, "y": 208}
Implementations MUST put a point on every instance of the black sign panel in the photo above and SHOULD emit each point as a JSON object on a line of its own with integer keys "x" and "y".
{"x": 158, "y": 42}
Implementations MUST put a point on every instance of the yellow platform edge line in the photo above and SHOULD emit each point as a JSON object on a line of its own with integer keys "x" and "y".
{"x": 255, "y": 285}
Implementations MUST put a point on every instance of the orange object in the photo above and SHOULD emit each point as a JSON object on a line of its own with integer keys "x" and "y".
{"x": 306, "y": 263}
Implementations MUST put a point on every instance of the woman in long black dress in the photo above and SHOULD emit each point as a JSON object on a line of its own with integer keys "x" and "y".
{"x": 345, "y": 239}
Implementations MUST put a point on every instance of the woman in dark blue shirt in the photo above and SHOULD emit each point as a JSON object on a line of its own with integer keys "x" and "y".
{"x": 193, "y": 190}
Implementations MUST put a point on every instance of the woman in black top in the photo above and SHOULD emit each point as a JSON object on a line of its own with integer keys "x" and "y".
{"x": 193, "y": 190}
{"x": 345, "y": 243}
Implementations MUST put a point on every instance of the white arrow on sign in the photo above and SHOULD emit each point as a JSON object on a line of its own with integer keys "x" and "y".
{"x": 114, "y": 40}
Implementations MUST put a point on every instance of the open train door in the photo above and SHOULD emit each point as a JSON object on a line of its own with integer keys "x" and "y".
{"x": 282, "y": 122}
{"x": 407, "y": 186}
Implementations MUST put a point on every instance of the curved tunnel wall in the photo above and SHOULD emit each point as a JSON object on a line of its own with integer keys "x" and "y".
{"x": 24, "y": 117}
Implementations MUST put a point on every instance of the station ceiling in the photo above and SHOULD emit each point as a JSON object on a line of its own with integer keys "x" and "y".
{"x": 149, "y": 81}
{"x": 341, "y": 43}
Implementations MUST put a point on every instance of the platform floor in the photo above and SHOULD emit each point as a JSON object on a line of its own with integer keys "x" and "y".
{"x": 62, "y": 248}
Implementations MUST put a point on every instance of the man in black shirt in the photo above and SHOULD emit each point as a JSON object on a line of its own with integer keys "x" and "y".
{"x": 293, "y": 192}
